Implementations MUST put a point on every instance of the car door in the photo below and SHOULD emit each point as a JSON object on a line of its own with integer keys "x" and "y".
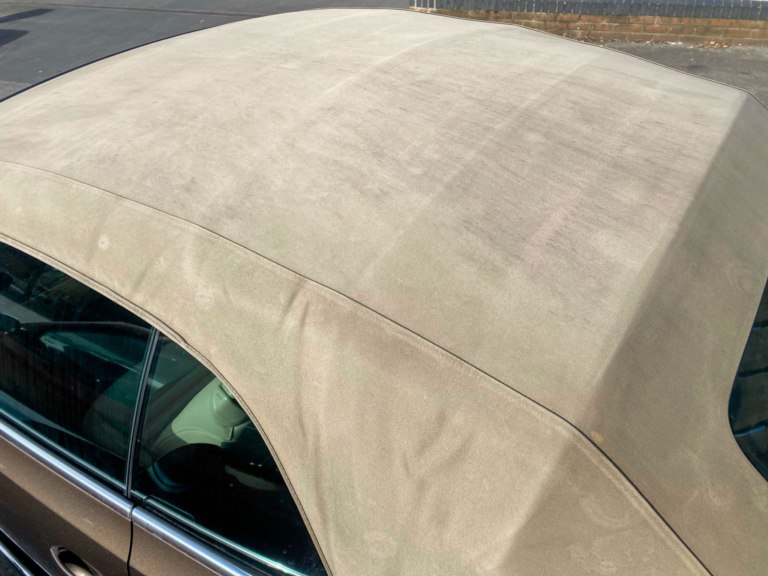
{"x": 63, "y": 464}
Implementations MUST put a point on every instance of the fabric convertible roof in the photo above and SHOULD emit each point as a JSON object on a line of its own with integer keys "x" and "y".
{"x": 483, "y": 289}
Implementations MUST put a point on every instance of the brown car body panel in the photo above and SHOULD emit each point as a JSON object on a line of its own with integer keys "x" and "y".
{"x": 41, "y": 510}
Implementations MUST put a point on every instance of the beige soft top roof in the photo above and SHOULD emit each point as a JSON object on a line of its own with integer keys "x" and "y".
{"x": 484, "y": 289}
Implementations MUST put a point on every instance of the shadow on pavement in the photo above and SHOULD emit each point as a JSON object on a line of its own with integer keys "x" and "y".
{"x": 7, "y": 36}
{"x": 23, "y": 15}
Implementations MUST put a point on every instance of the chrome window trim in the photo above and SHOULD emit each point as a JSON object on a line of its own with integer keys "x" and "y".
{"x": 56, "y": 464}
{"x": 66, "y": 456}
{"x": 190, "y": 545}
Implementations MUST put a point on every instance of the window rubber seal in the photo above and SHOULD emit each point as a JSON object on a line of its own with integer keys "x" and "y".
{"x": 138, "y": 411}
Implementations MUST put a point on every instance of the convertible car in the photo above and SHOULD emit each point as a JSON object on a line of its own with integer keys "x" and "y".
{"x": 383, "y": 293}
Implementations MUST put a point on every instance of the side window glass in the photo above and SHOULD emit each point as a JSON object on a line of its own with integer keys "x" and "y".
{"x": 70, "y": 363}
{"x": 748, "y": 406}
{"x": 202, "y": 463}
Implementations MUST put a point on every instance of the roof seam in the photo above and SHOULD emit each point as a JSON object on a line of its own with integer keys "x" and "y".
{"x": 568, "y": 424}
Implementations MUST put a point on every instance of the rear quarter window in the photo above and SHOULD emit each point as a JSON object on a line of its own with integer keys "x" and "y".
{"x": 748, "y": 405}
{"x": 203, "y": 464}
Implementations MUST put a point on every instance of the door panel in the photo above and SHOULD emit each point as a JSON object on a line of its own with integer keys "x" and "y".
{"x": 47, "y": 503}
{"x": 159, "y": 548}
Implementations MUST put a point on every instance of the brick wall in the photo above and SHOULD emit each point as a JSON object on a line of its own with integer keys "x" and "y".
{"x": 606, "y": 28}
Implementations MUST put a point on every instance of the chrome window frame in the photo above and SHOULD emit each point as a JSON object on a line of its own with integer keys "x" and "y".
{"x": 57, "y": 464}
{"x": 190, "y": 545}
{"x": 184, "y": 539}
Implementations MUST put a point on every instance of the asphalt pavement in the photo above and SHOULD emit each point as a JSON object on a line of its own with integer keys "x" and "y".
{"x": 40, "y": 40}
{"x": 38, "y": 43}
{"x": 741, "y": 66}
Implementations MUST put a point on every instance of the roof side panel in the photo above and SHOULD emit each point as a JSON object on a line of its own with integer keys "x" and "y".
{"x": 404, "y": 460}
{"x": 662, "y": 408}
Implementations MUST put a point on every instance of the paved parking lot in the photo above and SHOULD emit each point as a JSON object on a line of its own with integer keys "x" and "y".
{"x": 37, "y": 43}
{"x": 741, "y": 66}
{"x": 40, "y": 40}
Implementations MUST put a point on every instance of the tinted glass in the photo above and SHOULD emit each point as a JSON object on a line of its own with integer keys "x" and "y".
{"x": 203, "y": 461}
{"x": 748, "y": 407}
{"x": 70, "y": 362}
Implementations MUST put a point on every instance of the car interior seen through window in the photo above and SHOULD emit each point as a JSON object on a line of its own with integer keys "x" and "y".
{"x": 71, "y": 366}
{"x": 61, "y": 347}
{"x": 202, "y": 458}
